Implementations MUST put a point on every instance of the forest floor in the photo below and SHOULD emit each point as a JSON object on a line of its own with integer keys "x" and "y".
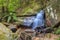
{"x": 48, "y": 36}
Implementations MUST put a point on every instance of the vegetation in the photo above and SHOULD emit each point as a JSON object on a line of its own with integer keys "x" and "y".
{"x": 58, "y": 38}
{"x": 10, "y": 9}
{"x": 11, "y": 17}
{"x": 57, "y": 31}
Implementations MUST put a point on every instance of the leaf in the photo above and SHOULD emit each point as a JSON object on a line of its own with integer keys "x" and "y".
{"x": 9, "y": 18}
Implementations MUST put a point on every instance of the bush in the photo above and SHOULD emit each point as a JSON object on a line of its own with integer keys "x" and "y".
{"x": 57, "y": 31}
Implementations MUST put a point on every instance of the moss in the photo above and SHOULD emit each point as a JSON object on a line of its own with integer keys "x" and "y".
{"x": 3, "y": 36}
{"x": 58, "y": 38}
{"x": 57, "y": 31}
{"x": 4, "y": 32}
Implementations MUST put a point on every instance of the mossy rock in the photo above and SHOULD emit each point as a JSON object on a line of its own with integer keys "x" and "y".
{"x": 3, "y": 36}
{"x": 4, "y": 32}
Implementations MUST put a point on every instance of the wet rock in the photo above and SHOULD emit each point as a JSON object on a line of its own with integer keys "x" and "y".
{"x": 13, "y": 28}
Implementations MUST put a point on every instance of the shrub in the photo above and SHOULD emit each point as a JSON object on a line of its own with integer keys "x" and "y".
{"x": 57, "y": 31}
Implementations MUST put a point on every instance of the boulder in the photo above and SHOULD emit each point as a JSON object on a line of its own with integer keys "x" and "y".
{"x": 4, "y": 32}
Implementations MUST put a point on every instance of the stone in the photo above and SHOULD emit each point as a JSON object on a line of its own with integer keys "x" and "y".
{"x": 4, "y": 32}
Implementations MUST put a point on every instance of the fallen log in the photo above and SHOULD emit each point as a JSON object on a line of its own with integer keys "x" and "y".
{"x": 26, "y": 15}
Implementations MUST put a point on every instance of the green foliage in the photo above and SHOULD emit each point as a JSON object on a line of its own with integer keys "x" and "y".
{"x": 31, "y": 6}
{"x": 11, "y": 17}
{"x": 3, "y": 2}
{"x": 58, "y": 38}
{"x": 13, "y": 5}
{"x": 9, "y": 5}
{"x": 21, "y": 7}
{"x": 57, "y": 31}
